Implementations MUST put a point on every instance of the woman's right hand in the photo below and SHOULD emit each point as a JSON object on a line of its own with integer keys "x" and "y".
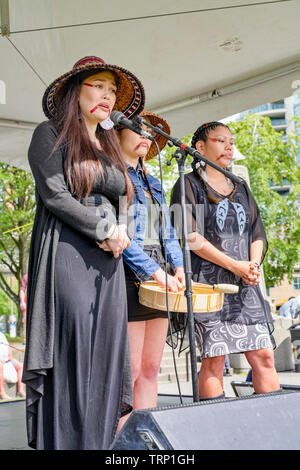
{"x": 117, "y": 241}
{"x": 246, "y": 271}
{"x": 254, "y": 278}
{"x": 174, "y": 285}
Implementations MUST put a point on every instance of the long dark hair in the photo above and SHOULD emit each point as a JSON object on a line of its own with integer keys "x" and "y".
{"x": 82, "y": 165}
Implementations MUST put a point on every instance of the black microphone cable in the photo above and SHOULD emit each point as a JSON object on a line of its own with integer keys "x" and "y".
{"x": 166, "y": 272}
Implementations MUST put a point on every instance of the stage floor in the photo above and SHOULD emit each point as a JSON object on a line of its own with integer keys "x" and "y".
{"x": 12, "y": 413}
{"x": 13, "y": 427}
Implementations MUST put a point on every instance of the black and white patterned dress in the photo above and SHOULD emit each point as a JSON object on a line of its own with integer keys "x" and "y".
{"x": 231, "y": 223}
{"x": 217, "y": 338}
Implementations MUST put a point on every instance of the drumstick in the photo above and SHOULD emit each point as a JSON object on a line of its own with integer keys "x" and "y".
{"x": 221, "y": 288}
{"x": 226, "y": 288}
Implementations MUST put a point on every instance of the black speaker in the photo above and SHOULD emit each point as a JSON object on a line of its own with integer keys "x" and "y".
{"x": 257, "y": 422}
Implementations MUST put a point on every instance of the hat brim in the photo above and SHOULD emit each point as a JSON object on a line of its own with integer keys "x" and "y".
{"x": 130, "y": 96}
{"x": 161, "y": 141}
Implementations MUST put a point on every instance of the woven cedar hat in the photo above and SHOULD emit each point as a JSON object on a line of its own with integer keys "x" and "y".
{"x": 154, "y": 119}
{"x": 130, "y": 92}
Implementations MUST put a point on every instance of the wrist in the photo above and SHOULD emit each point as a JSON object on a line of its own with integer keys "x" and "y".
{"x": 156, "y": 273}
{"x": 255, "y": 263}
{"x": 111, "y": 231}
{"x": 232, "y": 264}
{"x": 180, "y": 268}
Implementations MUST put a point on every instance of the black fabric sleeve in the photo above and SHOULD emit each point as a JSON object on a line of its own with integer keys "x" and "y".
{"x": 193, "y": 205}
{"x": 257, "y": 227}
{"x": 48, "y": 172}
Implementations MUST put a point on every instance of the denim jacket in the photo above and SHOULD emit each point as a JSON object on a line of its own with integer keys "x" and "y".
{"x": 134, "y": 256}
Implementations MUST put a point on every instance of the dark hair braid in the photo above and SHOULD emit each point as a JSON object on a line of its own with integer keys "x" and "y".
{"x": 203, "y": 131}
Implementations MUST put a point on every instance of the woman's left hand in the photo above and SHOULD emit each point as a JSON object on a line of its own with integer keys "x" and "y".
{"x": 254, "y": 277}
{"x": 179, "y": 274}
{"x": 117, "y": 241}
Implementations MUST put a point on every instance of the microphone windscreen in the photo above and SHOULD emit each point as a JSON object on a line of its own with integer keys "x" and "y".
{"x": 116, "y": 117}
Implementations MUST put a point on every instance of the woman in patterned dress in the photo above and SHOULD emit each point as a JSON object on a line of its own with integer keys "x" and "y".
{"x": 227, "y": 245}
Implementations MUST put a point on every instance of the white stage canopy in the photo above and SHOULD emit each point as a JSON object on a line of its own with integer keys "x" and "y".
{"x": 199, "y": 60}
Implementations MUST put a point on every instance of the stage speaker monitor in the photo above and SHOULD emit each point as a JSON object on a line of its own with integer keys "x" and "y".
{"x": 257, "y": 422}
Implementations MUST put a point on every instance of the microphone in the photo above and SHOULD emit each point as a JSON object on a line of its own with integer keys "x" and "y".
{"x": 119, "y": 119}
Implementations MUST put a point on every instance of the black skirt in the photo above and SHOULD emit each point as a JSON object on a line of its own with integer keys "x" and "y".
{"x": 90, "y": 380}
{"x": 137, "y": 311}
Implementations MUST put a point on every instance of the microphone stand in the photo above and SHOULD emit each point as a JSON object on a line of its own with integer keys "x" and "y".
{"x": 180, "y": 155}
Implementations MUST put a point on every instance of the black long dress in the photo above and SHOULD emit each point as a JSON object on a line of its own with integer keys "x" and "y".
{"x": 77, "y": 365}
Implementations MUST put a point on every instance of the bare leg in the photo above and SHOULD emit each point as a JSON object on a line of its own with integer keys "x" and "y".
{"x": 147, "y": 340}
{"x": 145, "y": 387}
{"x": 136, "y": 334}
{"x": 3, "y": 394}
{"x": 19, "y": 368}
{"x": 210, "y": 379}
{"x": 264, "y": 375}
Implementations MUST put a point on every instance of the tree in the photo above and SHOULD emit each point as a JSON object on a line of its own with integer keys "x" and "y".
{"x": 271, "y": 160}
{"x": 17, "y": 201}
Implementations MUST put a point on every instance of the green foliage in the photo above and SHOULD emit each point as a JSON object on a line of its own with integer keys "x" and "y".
{"x": 17, "y": 209}
{"x": 4, "y": 304}
{"x": 271, "y": 161}
{"x": 17, "y": 339}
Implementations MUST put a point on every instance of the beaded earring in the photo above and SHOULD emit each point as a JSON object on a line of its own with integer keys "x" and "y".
{"x": 107, "y": 124}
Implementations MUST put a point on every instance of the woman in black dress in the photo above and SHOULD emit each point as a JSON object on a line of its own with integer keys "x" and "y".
{"x": 77, "y": 365}
{"x": 228, "y": 244}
